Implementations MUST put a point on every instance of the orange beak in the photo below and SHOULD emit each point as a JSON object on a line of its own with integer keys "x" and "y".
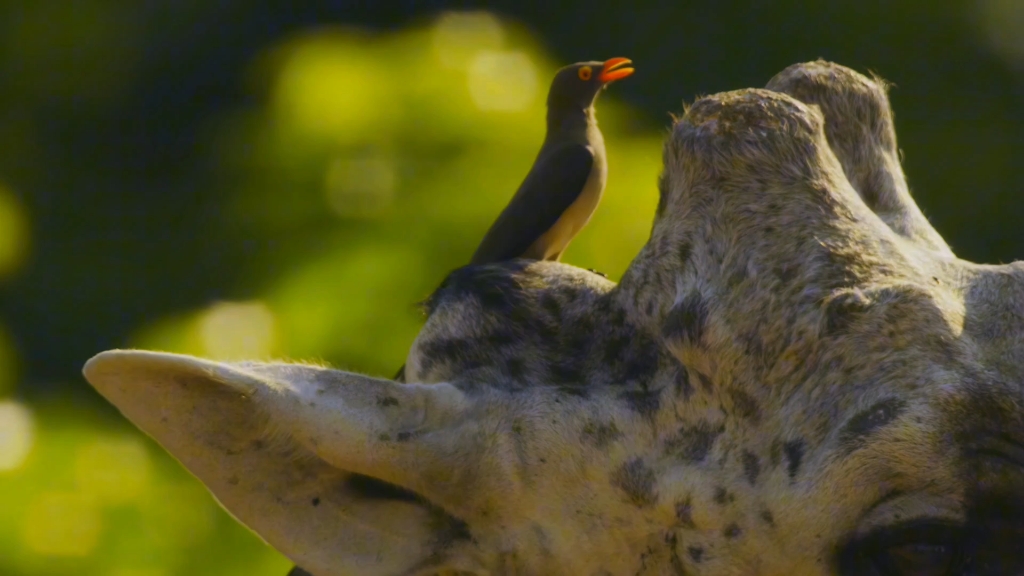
{"x": 615, "y": 69}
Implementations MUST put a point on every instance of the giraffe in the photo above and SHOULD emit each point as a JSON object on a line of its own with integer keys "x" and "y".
{"x": 795, "y": 375}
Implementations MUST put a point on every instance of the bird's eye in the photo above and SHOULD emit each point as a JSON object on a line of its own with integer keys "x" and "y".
{"x": 585, "y": 73}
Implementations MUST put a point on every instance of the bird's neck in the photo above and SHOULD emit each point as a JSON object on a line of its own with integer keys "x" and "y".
{"x": 563, "y": 119}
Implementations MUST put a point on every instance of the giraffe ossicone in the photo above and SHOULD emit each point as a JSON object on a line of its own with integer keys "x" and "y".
{"x": 795, "y": 376}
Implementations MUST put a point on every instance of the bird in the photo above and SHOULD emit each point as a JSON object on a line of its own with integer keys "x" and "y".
{"x": 562, "y": 189}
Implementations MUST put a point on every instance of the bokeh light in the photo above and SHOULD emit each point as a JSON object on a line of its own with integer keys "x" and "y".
{"x": 63, "y": 524}
{"x": 17, "y": 434}
{"x": 13, "y": 233}
{"x": 237, "y": 330}
{"x": 330, "y": 87}
{"x": 1001, "y": 25}
{"x": 504, "y": 81}
{"x": 114, "y": 470}
{"x": 459, "y": 36}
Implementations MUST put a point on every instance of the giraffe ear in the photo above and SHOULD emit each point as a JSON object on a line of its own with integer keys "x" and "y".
{"x": 239, "y": 428}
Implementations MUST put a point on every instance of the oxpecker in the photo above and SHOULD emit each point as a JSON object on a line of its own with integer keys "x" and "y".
{"x": 562, "y": 189}
{"x": 564, "y": 186}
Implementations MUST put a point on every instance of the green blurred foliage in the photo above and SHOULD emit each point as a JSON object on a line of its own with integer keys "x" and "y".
{"x": 398, "y": 150}
{"x": 351, "y": 173}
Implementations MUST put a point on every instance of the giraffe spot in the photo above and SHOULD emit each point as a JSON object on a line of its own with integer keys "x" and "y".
{"x": 692, "y": 444}
{"x": 500, "y": 338}
{"x": 751, "y": 467}
{"x": 552, "y": 306}
{"x": 685, "y": 321}
{"x": 685, "y": 251}
{"x": 744, "y": 405}
{"x": 794, "y": 451}
{"x": 576, "y": 391}
{"x": 316, "y": 501}
{"x": 567, "y": 370}
{"x": 663, "y": 192}
{"x": 403, "y": 436}
{"x": 386, "y": 401}
{"x": 732, "y": 531}
{"x": 495, "y": 286}
{"x": 684, "y": 513}
{"x": 643, "y": 402}
{"x": 601, "y": 435}
{"x": 682, "y": 382}
{"x": 858, "y": 428}
{"x": 723, "y": 497}
{"x": 637, "y": 481}
{"x": 696, "y": 554}
{"x": 768, "y": 518}
{"x": 515, "y": 368}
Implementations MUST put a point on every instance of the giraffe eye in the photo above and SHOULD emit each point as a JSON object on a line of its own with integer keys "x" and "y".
{"x": 920, "y": 549}
{"x": 585, "y": 73}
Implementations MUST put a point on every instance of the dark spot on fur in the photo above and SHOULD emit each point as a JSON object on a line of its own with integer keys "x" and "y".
{"x": 516, "y": 368}
{"x": 685, "y": 251}
{"x": 404, "y": 436}
{"x": 732, "y": 531}
{"x": 685, "y": 322}
{"x": 637, "y": 480}
{"x": 672, "y": 541}
{"x": 500, "y": 338}
{"x": 552, "y": 306}
{"x": 257, "y": 445}
{"x": 766, "y": 515}
{"x": 639, "y": 363}
{"x": 369, "y": 488}
{"x": 723, "y": 497}
{"x": 794, "y": 451}
{"x": 692, "y": 444}
{"x": 663, "y": 192}
{"x": 744, "y": 405}
{"x": 643, "y": 402}
{"x": 696, "y": 553}
{"x": 576, "y": 391}
{"x": 751, "y": 467}
{"x": 601, "y": 435}
{"x": 384, "y": 437}
{"x": 684, "y": 513}
{"x": 316, "y": 501}
{"x": 567, "y": 370}
{"x": 785, "y": 273}
{"x": 857, "y": 429}
{"x": 683, "y": 386}
{"x": 517, "y": 427}
{"x": 448, "y": 530}
{"x": 233, "y": 480}
{"x": 387, "y": 401}
{"x": 705, "y": 382}
{"x": 496, "y": 286}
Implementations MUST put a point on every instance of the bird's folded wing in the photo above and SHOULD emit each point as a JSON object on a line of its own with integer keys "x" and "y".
{"x": 554, "y": 183}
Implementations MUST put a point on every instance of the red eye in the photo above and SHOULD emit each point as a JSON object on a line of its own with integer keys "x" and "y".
{"x": 585, "y": 73}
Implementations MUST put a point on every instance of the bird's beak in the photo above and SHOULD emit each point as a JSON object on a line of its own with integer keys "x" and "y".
{"x": 615, "y": 69}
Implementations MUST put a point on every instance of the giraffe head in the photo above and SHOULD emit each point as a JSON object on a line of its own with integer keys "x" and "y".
{"x": 795, "y": 376}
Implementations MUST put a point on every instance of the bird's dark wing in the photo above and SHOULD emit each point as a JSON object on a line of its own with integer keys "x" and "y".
{"x": 553, "y": 184}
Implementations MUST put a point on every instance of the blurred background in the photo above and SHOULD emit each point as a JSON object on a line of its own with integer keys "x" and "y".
{"x": 237, "y": 179}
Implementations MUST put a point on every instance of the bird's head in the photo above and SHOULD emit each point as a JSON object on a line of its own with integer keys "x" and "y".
{"x": 579, "y": 84}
